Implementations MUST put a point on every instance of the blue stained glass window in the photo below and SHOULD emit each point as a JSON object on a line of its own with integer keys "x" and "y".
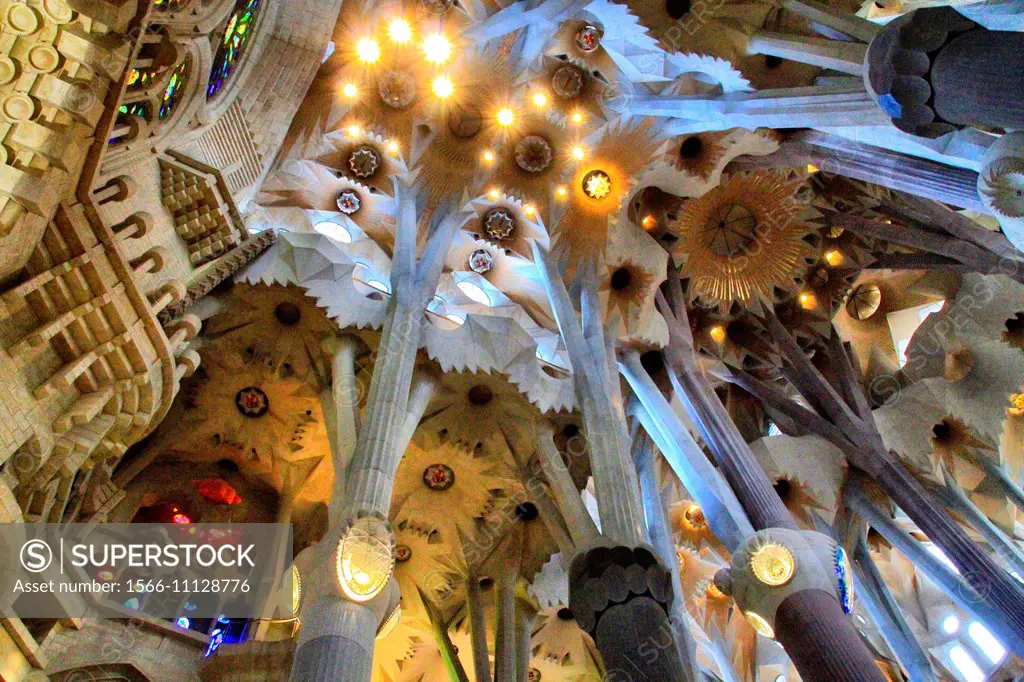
{"x": 236, "y": 37}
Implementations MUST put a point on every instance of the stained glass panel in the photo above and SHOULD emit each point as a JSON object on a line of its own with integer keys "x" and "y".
{"x": 236, "y": 37}
{"x": 172, "y": 93}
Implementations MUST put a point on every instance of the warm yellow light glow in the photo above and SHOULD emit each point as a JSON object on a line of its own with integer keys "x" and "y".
{"x": 506, "y": 117}
{"x": 693, "y": 517}
{"x": 354, "y": 131}
{"x": 561, "y": 192}
{"x": 760, "y": 625}
{"x": 494, "y": 193}
{"x": 443, "y": 87}
{"x": 811, "y": 168}
{"x": 717, "y": 333}
{"x": 393, "y": 146}
{"x": 597, "y": 185}
{"x": 833, "y": 257}
{"x": 578, "y": 153}
{"x": 649, "y": 222}
{"x": 365, "y": 559}
{"x": 773, "y": 564}
{"x": 807, "y": 300}
{"x": 488, "y": 156}
{"x": 529, "y": 210}
{"x": 437, "y": 49}
{"x": 540, "y": 99}
{"x": 368, "y": 50}
{"x": 350, "y": 90}
{"x": 400, "y": 31}
{"x": 1017, "y": 404}
{"x": 577, "y": 118}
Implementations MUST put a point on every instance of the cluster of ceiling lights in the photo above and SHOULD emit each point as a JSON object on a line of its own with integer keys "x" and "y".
{"x": 438, "y": 50}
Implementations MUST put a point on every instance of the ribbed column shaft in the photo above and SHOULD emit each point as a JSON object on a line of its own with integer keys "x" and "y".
{"x": 581, "y": 527}
{"x": 955, "y": 588}
{"x": 478, "y": 630}
{"x": 977, "y": 80}
{"x": 887, "y": 616}
{"x": 661, "y": 539}
{"x": 336, "y": 642}
{"x": 379, "y": 450}
{"x": 735, "y": 459}
{"x": 813, "y": 624}
{"x": 952, "y": 496}
{"x": 524, "y": 631}
{"x": 505, "y": 629}
{"x": 723, "y": 511}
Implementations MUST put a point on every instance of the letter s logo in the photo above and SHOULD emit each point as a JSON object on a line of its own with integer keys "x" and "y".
{"x": 36, "y": 556}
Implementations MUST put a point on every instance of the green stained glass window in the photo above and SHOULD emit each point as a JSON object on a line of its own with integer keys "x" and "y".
{"x": 236, "y": 37}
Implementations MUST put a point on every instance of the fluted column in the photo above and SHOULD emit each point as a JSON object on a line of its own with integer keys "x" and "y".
{"x": 664, "y": 545}
{"x": 723, "y": 511}
{"x": 955, "y": 588}
{"x": 887, "y": 616}
{"x": 336, "y": 642}
{"x": 505, "y": 628}
{"x": 478, "y": 630}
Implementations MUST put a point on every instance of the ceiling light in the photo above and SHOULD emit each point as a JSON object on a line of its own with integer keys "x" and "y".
{"x": 350, "y": 90}
{"x": 807, "y": 300}
{"x": 597, "y": 184}
{"x": 437, "y": 49}
{"x": 649, "y": 222}
{"x": 488, "y": 156}
{"x": 506, "y": 117}
{"x": 400, "y": 31}
{"x": 368, "y": 50}
{"x": 578, "y": 153}
{"x": 577, "y": 118}
{"x": 833, "y": 257}
{"x": 717, "y": 333}
{"x": 393, "y": 146}
{"x": 540, "y": 99}
{"x": 494, "y": 194}
{"x": 443, "y": 87}
{"x": 529, "y": 210}
{"x": 354, "y": 130}
{"x": 561, "y": 192}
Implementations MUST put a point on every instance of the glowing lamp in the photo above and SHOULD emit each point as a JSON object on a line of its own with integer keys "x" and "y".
{"x": 577, "y": 118}
{"x": 350, "y": 90}
{"x": 649, "y": 222}
{"x": 540, "y": 100}
{"x": 529, "y": 210}
{"x": 400, "y": 31}
{"x": 561, "y": 192}
{"x": 443, "y": 87}
{"x": 494, "y": 194}
{"x": 393, "y": 146}
{"x": 807, "y": 300}
{"x": 437, "y": 49}
{"x": 578, "y": 153}
{"x": 773, "y": 564}
{"x": 354, "y": 131}
{"x": 368, "y": 50}
{"x": 760, "y": 625}
{"x": 833, "y": 257}
{"x": 488, "y": 156}
{"x": 693, "y": 517}
{"x": 811, "y": 168}
{"x": 506, "y": 117}
{"x": 597, "y": 184}
{"x": 717, "y": 333}
{"x": 365, "y": 558}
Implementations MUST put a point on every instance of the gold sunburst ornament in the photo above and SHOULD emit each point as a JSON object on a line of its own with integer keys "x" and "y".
{"x": 773, "y": 564}
{"x": 744, "y": 240}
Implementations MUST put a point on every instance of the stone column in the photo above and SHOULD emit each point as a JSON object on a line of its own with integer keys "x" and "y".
{"x": 618, "y": 590}
{"x": 582, "y": 529}
{"x": 955, "y": 588}
{"x": 477, "y": 630}
{"x": 525, "y": 613}
{"x": 340, "y": 624}
{"x": 934, "y": 71}
{"x": 665, "y": 546}
{"x": 888, "y": 617}
{"x": 505, "y": 627}
{"x": 723, "y": 511}
{"x": 803, "y": 611}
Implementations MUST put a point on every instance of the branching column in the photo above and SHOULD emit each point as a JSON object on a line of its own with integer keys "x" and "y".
{"x": 618, "y": 592}
{"x": 809, "y": 622}
{"x": 339, "y": 629}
